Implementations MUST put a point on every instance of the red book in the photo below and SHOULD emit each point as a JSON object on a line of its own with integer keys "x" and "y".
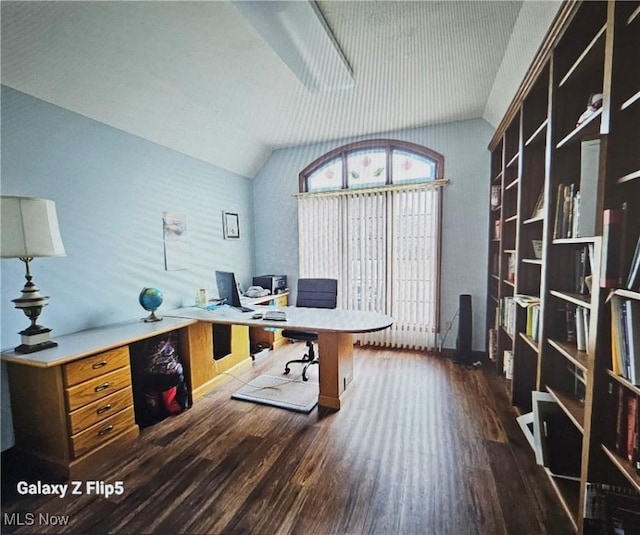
{"x": 621, "y": 424}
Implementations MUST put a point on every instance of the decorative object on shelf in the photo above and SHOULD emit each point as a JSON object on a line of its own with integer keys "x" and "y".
{"x": 29, "y": 229}
{"x": 537, "y": 248}
{"x": 593, "y": 105}
{"x": 538, "y": 208}
{"x": 231, "y": 225}
{"x": 150, "y": 299}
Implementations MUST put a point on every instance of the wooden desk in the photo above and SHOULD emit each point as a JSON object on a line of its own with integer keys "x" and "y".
{"x": 258, "y": 335}
{"x": 335, "y": 330}
{"x": 71, "y": 402}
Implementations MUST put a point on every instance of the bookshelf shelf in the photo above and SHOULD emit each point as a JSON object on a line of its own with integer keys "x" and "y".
{"x": 568, "y": 491}
{"x": 587, "y": 130}
{"x": 531, "y": 220}
{"x": 572, "y": 407}
{"x": 512, "y": 184}
{"x": 538, "y": 134}
{"x": 627, "y": 294}
{"x": 573, "y": 241}
{"x": 596, "y": 45}
{"x": 624, "y": 382}
{"x": 571, "y": 353}
{"x": 545, "y": 141}
{"x": 630, "y": 101}
{"x": 513, "y": 160}
{"x": 624, "y": 466}
{"x": 576, "y": 299}
{"x": 530, "y": 342}
{"x": 629, "y": 177}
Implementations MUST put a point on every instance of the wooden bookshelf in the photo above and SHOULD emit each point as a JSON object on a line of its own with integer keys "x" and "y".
{"x": 544, "y": 151}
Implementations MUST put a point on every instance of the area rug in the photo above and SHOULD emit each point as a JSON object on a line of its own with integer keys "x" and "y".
{"x": 280, "y": 392}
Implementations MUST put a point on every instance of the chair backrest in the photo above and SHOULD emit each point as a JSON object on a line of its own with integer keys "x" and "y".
{"x": 317, "y": 293}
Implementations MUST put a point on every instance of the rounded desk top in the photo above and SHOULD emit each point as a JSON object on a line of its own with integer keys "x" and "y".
{"x": 310, "y": 319}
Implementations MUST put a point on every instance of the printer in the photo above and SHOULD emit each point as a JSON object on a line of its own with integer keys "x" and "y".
{"x": 274, "y": 283}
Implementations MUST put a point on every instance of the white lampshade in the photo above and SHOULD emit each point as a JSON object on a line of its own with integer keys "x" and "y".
{"x": 29, "y": 228}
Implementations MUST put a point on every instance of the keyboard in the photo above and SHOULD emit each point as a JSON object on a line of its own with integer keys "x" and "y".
{"x": 243, "y": 309}
{"x": 275, "y": 315}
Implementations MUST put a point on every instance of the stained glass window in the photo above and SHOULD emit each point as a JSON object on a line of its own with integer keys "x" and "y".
{"x": 367, "y": 168}
{"x": 326, "y": 178}
{"x": 370, "y": 164}
{"x": 409, "y": 167}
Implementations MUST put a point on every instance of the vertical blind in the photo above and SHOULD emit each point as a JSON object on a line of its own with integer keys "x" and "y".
{"x": 382, "y": 246}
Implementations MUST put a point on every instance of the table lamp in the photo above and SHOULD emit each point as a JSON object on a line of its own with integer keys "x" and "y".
{"x": 29, "y": 229}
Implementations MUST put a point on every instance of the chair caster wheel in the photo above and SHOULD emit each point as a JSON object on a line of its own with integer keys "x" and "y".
{"x": 286, "y": 371}
{"x": 305, "y": 378}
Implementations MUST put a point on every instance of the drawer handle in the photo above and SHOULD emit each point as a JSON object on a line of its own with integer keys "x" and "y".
{"x": 105, "y": 430}
{"x": 104, "y": 409}
{"x": 100, "y": 364}
{"x": 101, "y": 387}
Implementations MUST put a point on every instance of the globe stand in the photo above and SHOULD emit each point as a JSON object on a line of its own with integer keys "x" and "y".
{"x": 151, "y": 317}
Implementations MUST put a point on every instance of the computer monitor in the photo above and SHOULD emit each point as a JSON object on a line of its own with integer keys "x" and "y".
{"x": 228, "y": 289}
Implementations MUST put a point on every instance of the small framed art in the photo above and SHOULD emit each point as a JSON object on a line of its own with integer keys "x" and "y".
{"x": 231, "y": 225}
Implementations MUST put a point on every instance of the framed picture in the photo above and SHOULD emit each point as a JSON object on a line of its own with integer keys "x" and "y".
{"x": 231, "y": 225}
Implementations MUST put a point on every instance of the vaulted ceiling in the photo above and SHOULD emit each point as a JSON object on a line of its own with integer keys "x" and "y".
{"x": 197, "y": 77}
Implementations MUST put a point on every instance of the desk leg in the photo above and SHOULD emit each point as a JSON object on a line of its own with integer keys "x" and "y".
{"x": 336, "y": 367}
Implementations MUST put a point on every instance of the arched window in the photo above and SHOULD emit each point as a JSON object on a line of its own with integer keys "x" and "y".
{"x": 371, "y": 164}
{"x": 369, "y": 216}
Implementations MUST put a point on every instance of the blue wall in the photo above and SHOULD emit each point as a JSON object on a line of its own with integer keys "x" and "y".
{"x": 465, "y": 213}
{"x": 110, "y": 190}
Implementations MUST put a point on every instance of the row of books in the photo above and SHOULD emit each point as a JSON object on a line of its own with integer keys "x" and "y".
{"x": 533, "y": 322}
{"x": 532, "y": 305}
{"x": 625, "y": 338}
{"x": 581, "y": 276}
{"x": 507, "y": 364}
{"x": 567, "y": 212}
{"x": 618, "y": 269}
{"x": 508, "y": 314}
{"x": 572, "y": 325}
{"x": 610, "y": 509}
{"x": 625, "y": 442}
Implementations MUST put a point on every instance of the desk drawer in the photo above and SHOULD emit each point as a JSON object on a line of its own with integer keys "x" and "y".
{"x": 101, "y": 432}
{"x": 97, "y": 388}
{"x": 100, "y": 410}
{"x": 90, "y": 367}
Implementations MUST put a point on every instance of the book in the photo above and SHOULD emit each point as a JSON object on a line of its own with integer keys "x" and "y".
{"x": 610, "y": 509}
{"x": 621, "y": 422}
{"x": 589, "y": 175}
{"x": 558, "y": 214}
{"x": 633, "y": 278}
{"x": 581, "y": 342}
{"x": 611, "y": 248}
{"x": 632, "y": 318}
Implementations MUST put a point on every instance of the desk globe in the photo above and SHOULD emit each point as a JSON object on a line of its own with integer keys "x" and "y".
{"x": 150, "y": 299}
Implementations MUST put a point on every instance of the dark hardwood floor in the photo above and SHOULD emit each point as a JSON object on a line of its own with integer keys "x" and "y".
{"x": 422, "y": 446}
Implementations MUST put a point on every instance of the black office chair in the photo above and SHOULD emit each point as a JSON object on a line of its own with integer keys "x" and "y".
{"x": 312, "y": 293}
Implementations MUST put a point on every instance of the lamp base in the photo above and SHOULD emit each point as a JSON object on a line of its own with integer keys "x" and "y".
{"x": 25, "y": 348}
{"x": 35, "y": 340}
